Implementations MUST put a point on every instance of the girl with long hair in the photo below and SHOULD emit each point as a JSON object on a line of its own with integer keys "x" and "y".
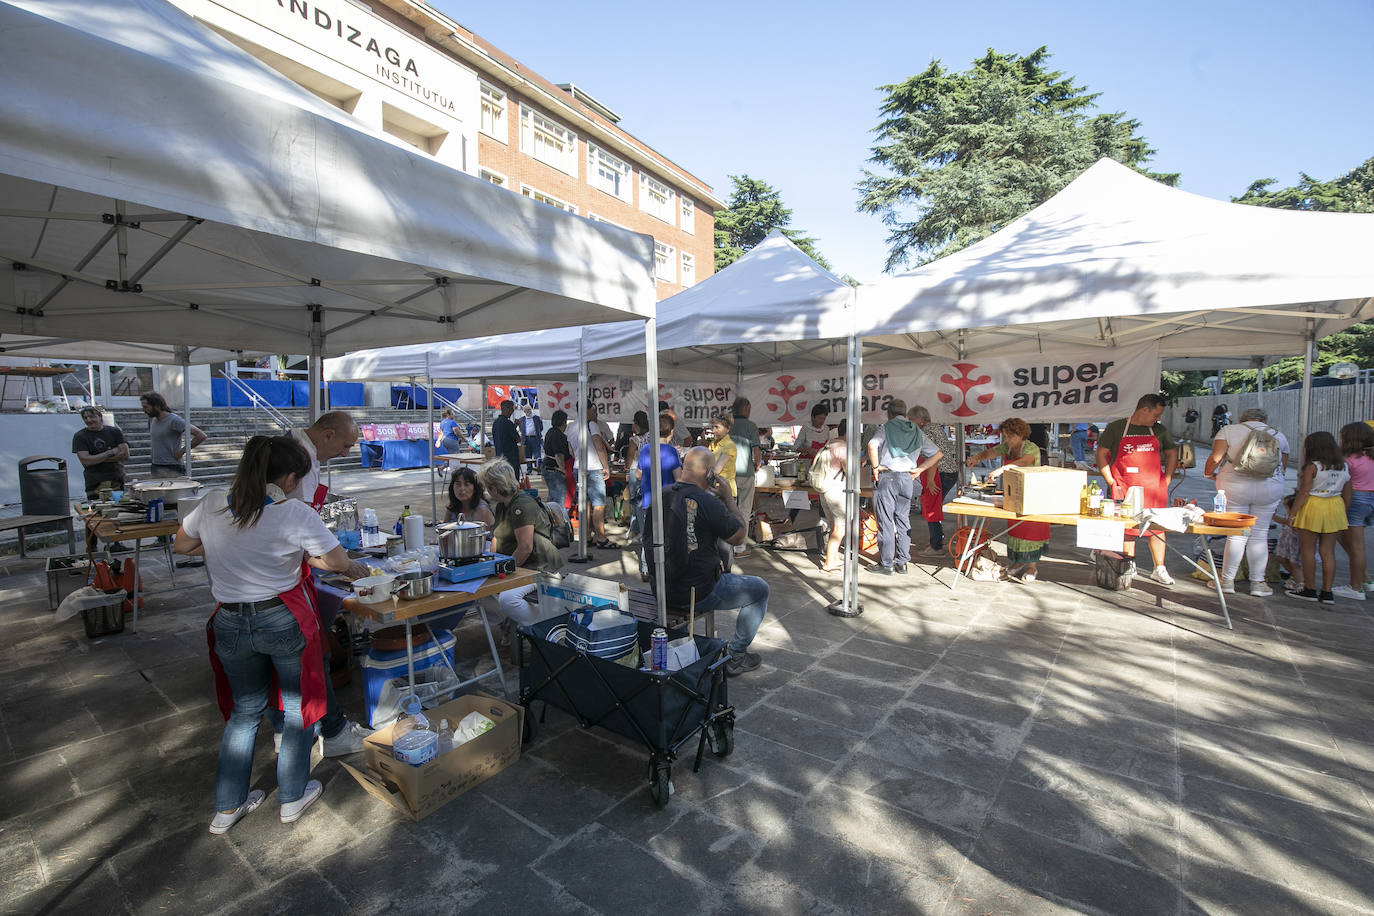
{"x": 264, "y": 635}
{"x": 1319, "y": 512}
{"x": 467, "y": 498}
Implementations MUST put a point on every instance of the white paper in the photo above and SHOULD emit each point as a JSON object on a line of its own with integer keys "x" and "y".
{"x": 795, "y": 499}
{"x": 1101, "y": 533}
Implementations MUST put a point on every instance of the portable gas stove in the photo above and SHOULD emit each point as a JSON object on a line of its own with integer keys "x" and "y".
{"x": 468, "y": 568}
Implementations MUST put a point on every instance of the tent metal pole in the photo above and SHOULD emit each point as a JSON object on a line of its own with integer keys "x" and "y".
{"x": 90, "y": 382}
{"x": 429, "y": 425}
{"x": 1305, "y": 404}
{"x": 656, "y": 469}
{"x": 848, "y": 605}
{"x": 584, "y": 520}
{"x": 1259, "y": 383}
{"x": 482, "y": 416}
{"x": 185, "y": 355}
{"x": 315, "y": 369}
{"x": 959, "y": 429}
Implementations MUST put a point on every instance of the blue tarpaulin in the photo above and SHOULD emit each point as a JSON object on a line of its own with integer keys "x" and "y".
{"x": 278, "y": 394}
{"x": 419, "y": 395}
{"x": 341, "y": 394}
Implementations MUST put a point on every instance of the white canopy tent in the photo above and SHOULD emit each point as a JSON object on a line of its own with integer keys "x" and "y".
{"x": 160, "y": 185}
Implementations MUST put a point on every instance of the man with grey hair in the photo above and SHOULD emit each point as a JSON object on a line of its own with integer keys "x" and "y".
{"x": 748, "y": 457}
{"x": 895, "y": 452}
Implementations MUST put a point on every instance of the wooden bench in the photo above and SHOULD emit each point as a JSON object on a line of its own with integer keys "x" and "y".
{"x": 644, "y": 606}
{"x": 19, "y": 523}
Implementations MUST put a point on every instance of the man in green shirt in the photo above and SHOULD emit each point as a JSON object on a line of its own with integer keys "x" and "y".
{"x": 748, "y": 457}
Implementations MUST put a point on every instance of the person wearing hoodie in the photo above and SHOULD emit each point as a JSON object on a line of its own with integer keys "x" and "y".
{"x": 895, "y": 454}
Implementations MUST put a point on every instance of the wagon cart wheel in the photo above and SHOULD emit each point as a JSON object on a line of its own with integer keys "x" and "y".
{"x": 660, "y": 780}
{"x": 721, "y": 736}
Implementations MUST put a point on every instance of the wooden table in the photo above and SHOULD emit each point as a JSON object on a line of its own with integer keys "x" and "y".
{"x": 107, "y": 529}
{"x": 977, "y": 541}
{"x": 20, "y": 522}
{"x": 416, "y": 610}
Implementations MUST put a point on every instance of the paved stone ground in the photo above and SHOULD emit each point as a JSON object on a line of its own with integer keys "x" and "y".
{"x": 1003, "y": 749}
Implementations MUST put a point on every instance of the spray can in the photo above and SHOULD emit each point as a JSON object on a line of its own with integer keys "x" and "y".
{"x": 658, "y": 649}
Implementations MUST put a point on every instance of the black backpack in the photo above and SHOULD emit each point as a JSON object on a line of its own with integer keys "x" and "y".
{"x": 675, "y": 542}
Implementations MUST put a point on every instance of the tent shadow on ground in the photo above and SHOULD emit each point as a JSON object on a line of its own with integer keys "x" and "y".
{"x": 994, "y": 749}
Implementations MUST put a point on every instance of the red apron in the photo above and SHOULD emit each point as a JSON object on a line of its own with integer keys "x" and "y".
{"x": 1026, "y": 531}
{"x": 1140, "y": 463}
{"x": 321, "y": 494}
{"x": 300, "y": 601}
{"x": 932, "y": 499}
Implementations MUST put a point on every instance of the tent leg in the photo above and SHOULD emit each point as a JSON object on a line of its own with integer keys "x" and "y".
{"x": 656, "y": 470}
{"x": 584, "y": 519}
{"x": 315, "y": 370}
{"x": 1305, "y": 403}
{"x": 186, "y": 403}
{"x": 429, "y": 423}
{"x": 848, "y": 605}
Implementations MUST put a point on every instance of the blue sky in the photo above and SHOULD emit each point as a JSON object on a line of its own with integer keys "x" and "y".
{"x": 1227, "y": 92}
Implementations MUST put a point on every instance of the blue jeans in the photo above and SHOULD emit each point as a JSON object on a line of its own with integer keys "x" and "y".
{"x": 451, "y": 444}
{"x": 329, "y": 725}
{"x": 892, "y": 503}
{"x": 1078, "y": 440}
{"x": 532, "y": 448}
{"x": 557, "y": 484}
{"x": 750, "y": 595}
{"x": 596, "y": 489}
{"x": 251, "y": 646}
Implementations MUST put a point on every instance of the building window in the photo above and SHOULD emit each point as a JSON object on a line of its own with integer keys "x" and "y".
{"x": 688, "y": 217}
{"x": 663, "y": 262}
{"x": 495, "y": 178}
{"x": 608, "y": 173}
{"x": 656, "y": 199}
{"x": 609, "y": 222}
{"x": 548, "y": 141}
{"x": 493, "y": 122}
{"x": 689, "y": 269}
{"x": 546, "y": 199}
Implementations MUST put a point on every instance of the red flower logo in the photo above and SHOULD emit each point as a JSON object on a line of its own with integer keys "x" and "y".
{"x": 786, "y": 392}
{"x": 558, "y": 397}
{"x": 963, "y": 384}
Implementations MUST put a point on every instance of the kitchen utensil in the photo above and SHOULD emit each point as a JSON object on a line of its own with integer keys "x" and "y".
{"x": 1228, "y": 519}
{"x": 461, "y": 540}
{"x": 417, "y": 587}
{"x": 373, "y": 589}
{"x": 168, "y": 489}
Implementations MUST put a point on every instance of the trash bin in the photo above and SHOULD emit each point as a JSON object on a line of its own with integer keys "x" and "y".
{"x": 43, "y": 490}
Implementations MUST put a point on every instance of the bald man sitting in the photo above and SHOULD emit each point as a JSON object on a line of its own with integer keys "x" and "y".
{"x": 698, "y": 515}
{"x": 333, "y": 435}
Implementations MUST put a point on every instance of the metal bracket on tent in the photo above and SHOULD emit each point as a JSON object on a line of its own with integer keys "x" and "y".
{"x": 123, "y": 286}
{"x": 117, "y": 219}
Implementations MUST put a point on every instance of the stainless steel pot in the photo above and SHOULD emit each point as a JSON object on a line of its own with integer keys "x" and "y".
{"x": 788, "y": 468}
{"x": 461, "y": 540}
{"x": 416, "y": 587}
{"x": 168, "y": 489}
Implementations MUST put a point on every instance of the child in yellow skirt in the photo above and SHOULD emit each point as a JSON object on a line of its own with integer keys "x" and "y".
{"x": 1319, "y": 512}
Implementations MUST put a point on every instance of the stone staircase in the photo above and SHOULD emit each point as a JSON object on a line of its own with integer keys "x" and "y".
{"x": 228, "y": 429}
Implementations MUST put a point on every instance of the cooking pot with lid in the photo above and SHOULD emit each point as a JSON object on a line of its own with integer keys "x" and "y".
{"x": 168, "y": 489}
{"x": 461, "y": 540}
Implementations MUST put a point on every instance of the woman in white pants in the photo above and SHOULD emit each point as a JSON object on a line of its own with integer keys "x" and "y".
{"x": 1257, "y": 496}
{"x": 522, "y": 531}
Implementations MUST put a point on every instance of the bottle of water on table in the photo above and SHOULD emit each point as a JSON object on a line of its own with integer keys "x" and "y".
{"x": 1219, "y": 502}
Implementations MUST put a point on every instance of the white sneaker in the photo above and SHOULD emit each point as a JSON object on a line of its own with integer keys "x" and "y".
{"x": 1161, "y": 575}
{"x": 292, "y": 811}
{"x": 224, "y": 820}
{"x": 1228, "y": 586}
{"x": 348, "y": 741}
{"x": 1346, "y": 591}
{"x": 1260, "y": 590}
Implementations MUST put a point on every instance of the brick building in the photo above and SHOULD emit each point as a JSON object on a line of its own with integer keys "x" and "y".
{"x": 426, "y": 81}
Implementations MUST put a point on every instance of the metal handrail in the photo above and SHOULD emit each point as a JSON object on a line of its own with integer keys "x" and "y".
{"x": 458, "y": 412}
{"x": 259, "y": 403}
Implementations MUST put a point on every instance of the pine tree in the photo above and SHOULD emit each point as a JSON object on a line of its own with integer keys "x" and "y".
{"x": 755, "y": 210}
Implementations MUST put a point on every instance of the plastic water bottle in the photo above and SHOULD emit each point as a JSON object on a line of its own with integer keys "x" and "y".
{"x": 411, "y": 740}
{"x": 445, "y": 737}
{"x": 372, "y": 532}
{"x": 1219, "y": 502}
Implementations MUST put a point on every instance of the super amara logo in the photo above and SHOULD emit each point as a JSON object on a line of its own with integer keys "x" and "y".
{"x": 1065, "y": 384}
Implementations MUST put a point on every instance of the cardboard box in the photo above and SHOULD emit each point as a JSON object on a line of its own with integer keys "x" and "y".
{"x": 1043, "y": 491}
{"x": 419, "y": 791}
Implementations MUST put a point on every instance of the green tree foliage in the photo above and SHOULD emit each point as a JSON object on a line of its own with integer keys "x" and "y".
{"x": 1353, "y": 192}
{"x": 755, "y": 210}
{"x": 968, "y": 152}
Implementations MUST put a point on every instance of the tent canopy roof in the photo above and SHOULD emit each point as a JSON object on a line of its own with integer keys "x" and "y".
{"x": 1117, "y": 259}
{"x": 253, "y": 214}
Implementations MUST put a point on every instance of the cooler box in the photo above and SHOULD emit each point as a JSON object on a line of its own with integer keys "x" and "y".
{"x": 1043, "y": 491}
{"x": 381, "y": 665}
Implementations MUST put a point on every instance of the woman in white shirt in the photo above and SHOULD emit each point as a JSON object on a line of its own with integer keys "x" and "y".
{"x": 1257, "y": 496}
{"x": 255, "y": 542}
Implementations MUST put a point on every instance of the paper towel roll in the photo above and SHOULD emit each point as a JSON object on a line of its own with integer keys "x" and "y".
{"x": 413, "y": 529}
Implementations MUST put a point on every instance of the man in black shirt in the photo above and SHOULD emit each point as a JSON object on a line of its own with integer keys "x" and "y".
{"x": 504, "y": 438}
{"x": 101, "y": 450}
{"x": 695, "y": 522}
